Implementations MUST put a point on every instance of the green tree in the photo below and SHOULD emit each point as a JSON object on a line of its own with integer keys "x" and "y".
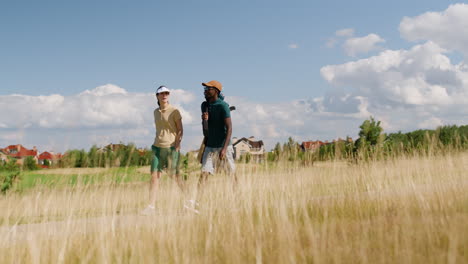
{"x": 371, "y": 132}
{"x": 30, "y": 163}
{"x": 277, "y": 149}
{"x": 370, "y": 139}
{"x": 93, "y": 157}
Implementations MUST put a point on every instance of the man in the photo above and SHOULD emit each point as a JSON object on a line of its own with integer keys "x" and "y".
{"x": 218, "y": 151}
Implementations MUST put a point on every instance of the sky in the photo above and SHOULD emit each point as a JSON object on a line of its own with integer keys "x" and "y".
{"x": 78, "y": 73}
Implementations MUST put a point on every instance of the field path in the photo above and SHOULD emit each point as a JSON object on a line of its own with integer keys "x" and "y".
{"x": 10, "y": 235}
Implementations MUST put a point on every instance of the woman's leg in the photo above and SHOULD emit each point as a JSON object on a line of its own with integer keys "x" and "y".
{"x": 174, "y": 169}
{"x": 154, "y": 184}
{"x": 155, "y": 174}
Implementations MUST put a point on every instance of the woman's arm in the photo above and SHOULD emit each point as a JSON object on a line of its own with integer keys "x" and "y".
{"x": 179, "y": 134}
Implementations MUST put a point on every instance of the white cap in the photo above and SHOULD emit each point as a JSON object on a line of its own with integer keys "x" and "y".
{"x": 162, "y": 89}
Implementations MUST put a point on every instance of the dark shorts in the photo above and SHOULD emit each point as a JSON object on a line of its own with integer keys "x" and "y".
{"x": 165, "y": 158}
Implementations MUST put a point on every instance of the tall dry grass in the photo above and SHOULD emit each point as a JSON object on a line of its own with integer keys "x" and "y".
{"x": 405, "y": 210}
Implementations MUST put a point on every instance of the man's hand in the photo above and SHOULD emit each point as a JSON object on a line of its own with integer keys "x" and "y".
{"x": 204, "y": 116}
{"x": 222, "y": 154}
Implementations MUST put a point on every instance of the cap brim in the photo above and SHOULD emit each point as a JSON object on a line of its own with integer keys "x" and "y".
{"x": 163, "y": 90}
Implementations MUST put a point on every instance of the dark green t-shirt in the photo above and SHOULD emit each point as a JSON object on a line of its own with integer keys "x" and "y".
{"x": 217, "y": 112}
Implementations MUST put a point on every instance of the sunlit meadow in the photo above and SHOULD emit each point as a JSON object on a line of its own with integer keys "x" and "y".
{"x": 403, "y": 210}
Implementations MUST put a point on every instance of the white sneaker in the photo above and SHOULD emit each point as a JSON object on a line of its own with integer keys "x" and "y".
{"x": 192, "y": 205}
{"x": 149, "y": 210}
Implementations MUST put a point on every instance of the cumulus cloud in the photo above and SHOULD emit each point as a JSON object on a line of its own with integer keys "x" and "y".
{"x": 430, "y": 123}
{"x": 336, "y": 114}
{"x": 411, "y": 88}
{"x": 105, "y": 108}
{"x": 293, "y": 46}
{"x": 345, "y": 32}
{"x": 448, "y": 29}
{"x": 419, "y": 76}
{"x": 355, "y": 46}
{"x": 111, "y": 114}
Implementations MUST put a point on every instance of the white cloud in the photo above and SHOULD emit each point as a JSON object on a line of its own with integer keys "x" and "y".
{"x": 293, "y": 46}
{"x": 419, "y": 76}
{"x": 109, "y": 108}
{"x": 430, "y": 123}
{"x": 414, "y": 88}
{"x": 105, "y": 90}
{"x": 406, "y": 89}
{"x": 104, "y": 106}
{"x": 337, "y": 114}
{"x": 345, "y": 32}
{"x": 104, "y": 115}
{"x": 449, "y": 28}
{"x": 355, "y": 46}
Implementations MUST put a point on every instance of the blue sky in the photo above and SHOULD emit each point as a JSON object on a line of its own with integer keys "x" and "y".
{"x": 267, "y": 53}
{"x": 68, "y": 46}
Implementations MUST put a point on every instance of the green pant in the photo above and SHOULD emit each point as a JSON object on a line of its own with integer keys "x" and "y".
{"x": 165, "y": 158}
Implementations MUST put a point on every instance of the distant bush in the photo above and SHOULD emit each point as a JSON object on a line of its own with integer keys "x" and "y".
{"x": 29, "y": 163}
{"x": 124, "y": 156}
{"x": 9, "y": 174}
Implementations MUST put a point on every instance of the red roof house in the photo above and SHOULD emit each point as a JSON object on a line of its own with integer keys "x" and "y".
{"x": 19, "y": 152}
{"x": 312, "y": 145}
{"x": 50, "y": 157}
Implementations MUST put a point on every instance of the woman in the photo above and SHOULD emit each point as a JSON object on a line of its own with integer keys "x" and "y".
{"x": 166, "y": 146}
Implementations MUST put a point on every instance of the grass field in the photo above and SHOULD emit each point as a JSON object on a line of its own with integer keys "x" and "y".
{"x": 56, "y": 178}
{"x": 406, "y": 210}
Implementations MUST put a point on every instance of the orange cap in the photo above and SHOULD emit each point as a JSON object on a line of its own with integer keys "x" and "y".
{"x": 214, "y": 84}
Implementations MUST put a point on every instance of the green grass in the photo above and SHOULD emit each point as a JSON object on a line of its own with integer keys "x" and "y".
{"x": 31, "y": 179}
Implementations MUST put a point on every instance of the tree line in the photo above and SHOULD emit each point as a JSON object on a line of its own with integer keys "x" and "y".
{"x": 374, "y": 144}
{"x": 371, "y": 144}
{"x": 123, "y": 156}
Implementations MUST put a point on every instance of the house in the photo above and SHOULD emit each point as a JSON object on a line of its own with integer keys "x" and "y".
{"x": 142, "y": 152}
{"x": 340, "y": 140}
{"x": 20, "y": 153}
{"x": 3, "y": 156}
{"x": 111, "y": 147}
{"x": 249, "y": 145}
{"x": 312, "y": 146}
{"x": 47, "y": 158}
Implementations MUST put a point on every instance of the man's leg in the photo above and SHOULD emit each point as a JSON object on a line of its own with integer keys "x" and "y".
{"x": 202, "y": 181}
{"x": 230, "y": 164}
{"x": 207, "y": 167}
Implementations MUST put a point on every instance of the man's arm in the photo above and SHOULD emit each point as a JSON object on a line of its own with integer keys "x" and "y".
{"x": 228, "y": 124}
